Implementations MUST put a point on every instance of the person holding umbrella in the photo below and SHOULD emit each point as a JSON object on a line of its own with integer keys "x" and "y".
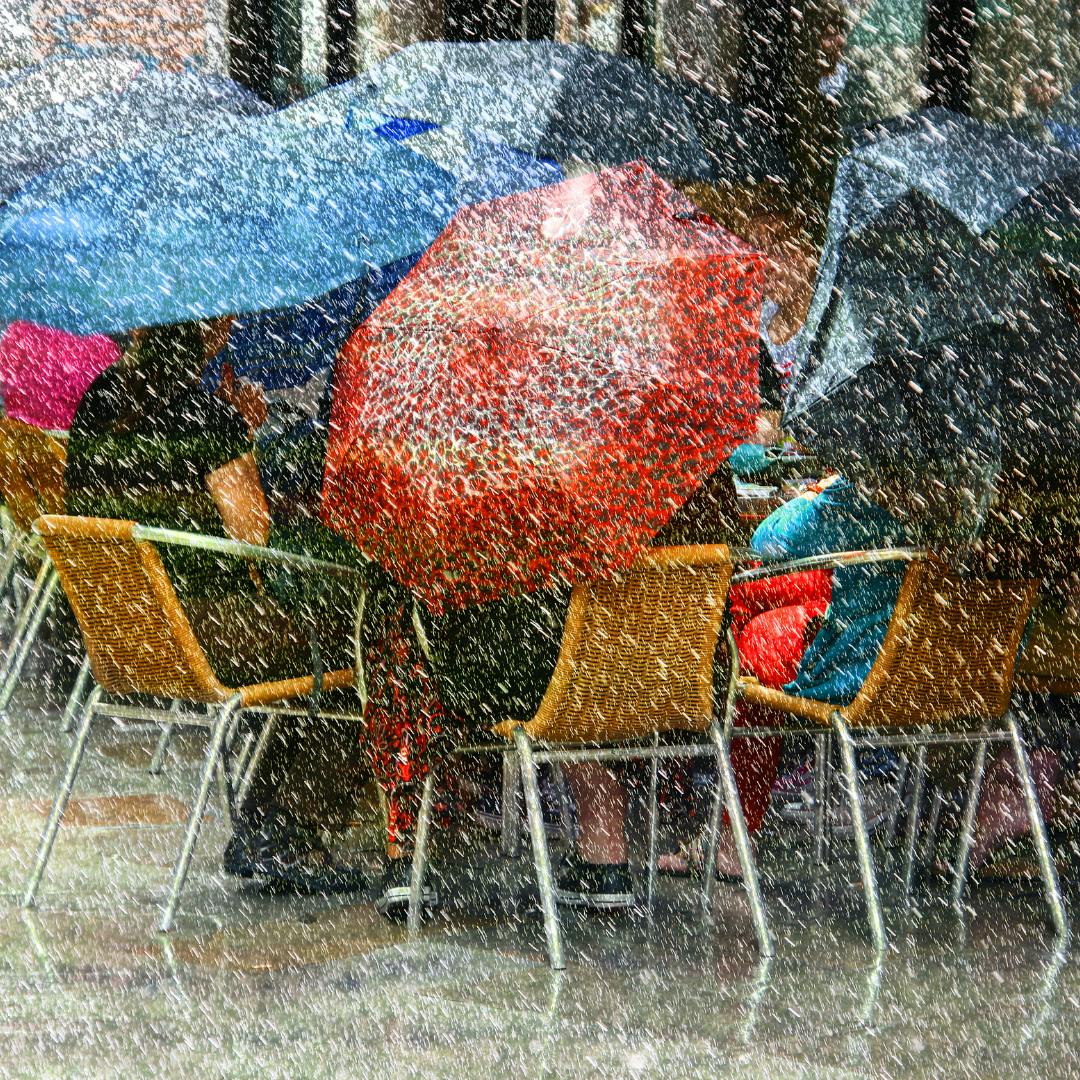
{"x": 563, "y": 371}
{"x": 149, "y": 444}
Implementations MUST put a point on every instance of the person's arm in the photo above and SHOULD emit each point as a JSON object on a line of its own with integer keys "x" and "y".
{"x": 238, "y": 495}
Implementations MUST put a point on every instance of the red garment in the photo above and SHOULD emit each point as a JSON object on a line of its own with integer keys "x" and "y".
{"x": 774, "y": 623}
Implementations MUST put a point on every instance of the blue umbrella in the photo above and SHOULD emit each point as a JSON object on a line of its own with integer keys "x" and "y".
{"x": 285, "y": 348}
{"x": 147, "y": 109}
{"x": 269, "y": 215}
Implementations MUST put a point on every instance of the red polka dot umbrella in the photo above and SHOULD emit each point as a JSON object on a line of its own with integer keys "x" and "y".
{"x": 555, "y": 377}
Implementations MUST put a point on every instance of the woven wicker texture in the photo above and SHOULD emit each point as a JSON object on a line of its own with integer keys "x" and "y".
{"x": 136, "y": 633}
{"x": 31, "y": 472}
{"x": 949, "y": 652}
{"x": 637, "y": 651}
{"x": 1050, "y": 662}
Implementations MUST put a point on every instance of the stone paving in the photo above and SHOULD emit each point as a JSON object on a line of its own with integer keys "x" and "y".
{"x": 265, "y": 986}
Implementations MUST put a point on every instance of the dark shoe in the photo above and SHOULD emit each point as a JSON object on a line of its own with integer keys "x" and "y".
{"x": 288, "y": 856}
{"x": 488, "y": 809}
{"x": 606, "y": 886}
{"x": 393, "y": 902}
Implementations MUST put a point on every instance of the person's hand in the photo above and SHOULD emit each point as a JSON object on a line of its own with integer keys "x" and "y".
{"x": 1042, "y": 90}
{"x": 768, "y": 431}
{"x": 245, "y": 397}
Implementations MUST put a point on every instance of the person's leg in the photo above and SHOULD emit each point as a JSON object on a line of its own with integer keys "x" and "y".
{"x": 601, "y": 807}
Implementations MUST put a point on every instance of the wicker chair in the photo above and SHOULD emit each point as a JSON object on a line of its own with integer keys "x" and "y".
{"x": 636, "y": 660}
{"x": 140, "y": 641}
{"x": 31, "y": 483}
{"x": 944, "y": 676}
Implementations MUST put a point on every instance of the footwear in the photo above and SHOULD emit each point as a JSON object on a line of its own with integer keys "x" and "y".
{"x": 488, "y": 809}
{"x": 393, "y": 901}
{"x": 879, "y": 794}
{"x": 689, "y": 860}
{"x": 606, "y": 886}
{"x": 288, "y": 855}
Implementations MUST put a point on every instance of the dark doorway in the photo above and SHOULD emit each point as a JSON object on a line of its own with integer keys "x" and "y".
{"x": 340, "y": 30}
{"x": 636, "y": 34}
{"x": 950, "y": 30}
{"x": 251, "y": 45}
{"x": 500, "y": 20}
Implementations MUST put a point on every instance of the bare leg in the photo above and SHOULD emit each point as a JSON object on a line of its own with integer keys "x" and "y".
{"x": 1002, "y": 812}
{"x": 601, "y": 803}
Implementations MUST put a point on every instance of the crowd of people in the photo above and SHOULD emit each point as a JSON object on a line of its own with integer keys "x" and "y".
{"x": 162, "y": 430}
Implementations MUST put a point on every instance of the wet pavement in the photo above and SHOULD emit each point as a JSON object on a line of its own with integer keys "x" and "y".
{"x": 256, "y": 985}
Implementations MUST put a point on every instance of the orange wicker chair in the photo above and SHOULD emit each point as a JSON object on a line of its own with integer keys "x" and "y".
{"x": 140, "y": 641}
{"x": 944, "y": 676}
{"x": 636, "y": 660}
{"x": 1050, "y": 662}
{"x": 31, "y": 483}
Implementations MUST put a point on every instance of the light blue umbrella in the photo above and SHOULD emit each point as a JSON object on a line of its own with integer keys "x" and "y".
{"x": 273, "y": 214}
{"x": 286, "y": 347}
{"x": 142, "y": 110}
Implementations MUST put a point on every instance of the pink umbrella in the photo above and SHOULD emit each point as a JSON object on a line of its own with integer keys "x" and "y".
{"x": 45, "y": 372}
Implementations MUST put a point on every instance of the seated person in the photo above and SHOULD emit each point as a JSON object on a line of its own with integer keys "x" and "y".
{"x": 495, "y": 660}
{"x": 149, "y": 444}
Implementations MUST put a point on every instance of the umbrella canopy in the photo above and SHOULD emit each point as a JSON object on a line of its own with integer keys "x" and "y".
{"x": 286, "y": 347}
{"x": 145, "y": 109}
{"x": 566, "y": 102}
{"x": 271, "y": 214}
{"x": 941, "y": 347}
{"x": 62, "y": 79}
{"x": 555, "y": 377}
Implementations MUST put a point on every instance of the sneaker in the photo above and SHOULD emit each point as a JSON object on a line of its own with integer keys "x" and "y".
{"x": 606, "y": 886}
{"x": 286, "y": 855}
{"x": 488, "y": 809}
{"x": 879, "y": 795}
{"x": 393, "y": 901}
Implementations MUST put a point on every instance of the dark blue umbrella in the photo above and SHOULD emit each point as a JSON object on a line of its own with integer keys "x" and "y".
{"x": 144, "y": 110}
{"x": 268, "y": 215}
{"x": 565, "y": 102}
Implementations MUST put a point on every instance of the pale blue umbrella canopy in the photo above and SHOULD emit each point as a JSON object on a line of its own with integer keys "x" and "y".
{"x": 269, "y": 214}
{"x": 129, "y": 114}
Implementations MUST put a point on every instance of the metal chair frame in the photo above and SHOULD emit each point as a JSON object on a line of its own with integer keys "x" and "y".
{"x": 225, "y": 707}
{"x": 817, "y": 719}
{"x": 530, "y": 752}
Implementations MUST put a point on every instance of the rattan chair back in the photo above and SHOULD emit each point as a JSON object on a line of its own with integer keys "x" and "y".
{"x": 1050, "y": 662}
{"x": 136, "y": 633}
{"x": 950, "y": 650}
{"x": 637, "y": 651}
{"x": 31, "y": 472}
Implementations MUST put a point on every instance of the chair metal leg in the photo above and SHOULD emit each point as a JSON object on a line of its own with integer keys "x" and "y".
{"x": 544, "y": 878}
{"x": 742, "y": 844}
{"x": 822, "y": 795}
{"x": 75, "y": 698}
{"x": 510, "y": 831}
{"x": 419, "y": 859}
{"x": 63, "y": 794}
{"x": 1051, "y": 887}
{"x": 157, "y": 762}
{"x": 862, "y": 837}
{"x": 268, "y": 728}
{"x": 712, "y": 839}
{"x": 930, "y": 844}
{"x": 892, "y": 824}
{"x": 918, "y": 786}
{"x": 654, "y": 825}
{"x": 21, "y": 644}
{"x": 967, "y": 823}
{"x": 566, "y": 801}
{"x": 198, "y": 808}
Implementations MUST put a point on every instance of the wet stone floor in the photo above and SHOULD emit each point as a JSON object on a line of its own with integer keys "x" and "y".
{"x": 251, "y": 984}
